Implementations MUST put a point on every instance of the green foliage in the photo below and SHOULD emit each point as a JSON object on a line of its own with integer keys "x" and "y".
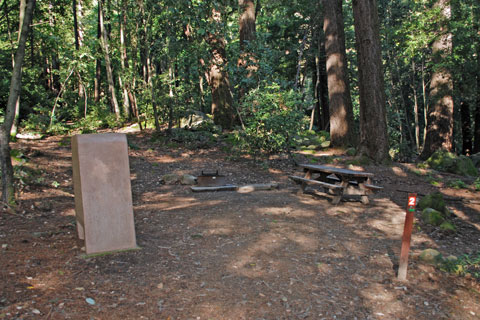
{"x": 272, "y": 118}
{"x": 476, "y": 184}
{"x": 468, "y": 264}
{"x": 457, "y": 184}
{"x": 446, "y": 161}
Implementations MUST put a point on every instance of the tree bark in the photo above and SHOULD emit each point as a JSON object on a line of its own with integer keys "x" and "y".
{"x": 98, "y": 65}
{"x": 108, "y": 65}
{"x": 342, "y": 131}
{"x": 13, "y": 131}
{"x": 476, "y": 138}
{"x": 373, "y": 118}
{"x": 124, "y": 60}
{"x": 247, "y": 30}
{"x": 222, "y": 100}
{"x": 8, "y": 194}
{"x": 440, "y": 113}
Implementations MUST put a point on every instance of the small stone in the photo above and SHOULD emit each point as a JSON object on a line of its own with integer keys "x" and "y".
{"x": 431, "y": 256}
{"x": 188, "y": 179}
{"x": 90, "y": 301}
{"x": 36, "y": 311}
{"x": 4, "y": 246}
{"x": 170, "y": 178}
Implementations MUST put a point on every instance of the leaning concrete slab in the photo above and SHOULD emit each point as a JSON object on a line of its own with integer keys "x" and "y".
{"x": 103, "y": 196}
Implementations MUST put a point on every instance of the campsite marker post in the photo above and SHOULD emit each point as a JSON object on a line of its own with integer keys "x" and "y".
{"x": 407, "y": 235}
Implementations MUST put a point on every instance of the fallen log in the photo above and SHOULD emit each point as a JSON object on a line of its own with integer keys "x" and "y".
{"x": 242, "y": 189}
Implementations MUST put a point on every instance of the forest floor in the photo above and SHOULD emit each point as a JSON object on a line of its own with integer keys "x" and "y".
{"x": 227, "y": 255}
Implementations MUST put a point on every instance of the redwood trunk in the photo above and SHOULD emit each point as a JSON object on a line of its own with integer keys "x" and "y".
{"x": 340, "y": 103}
{"x": 222, "y": 100}
{"x": 440, "y": 112}
{"x": 373, "y": 118}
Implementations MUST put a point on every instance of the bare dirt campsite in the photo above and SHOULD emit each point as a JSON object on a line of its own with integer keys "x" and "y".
{"x": 273, "y": 254}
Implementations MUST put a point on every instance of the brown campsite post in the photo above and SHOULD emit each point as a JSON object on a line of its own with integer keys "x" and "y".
{"x": 407, "y": 235}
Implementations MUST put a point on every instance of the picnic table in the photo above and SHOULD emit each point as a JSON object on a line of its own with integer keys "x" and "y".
{"x": 340, "y": 182}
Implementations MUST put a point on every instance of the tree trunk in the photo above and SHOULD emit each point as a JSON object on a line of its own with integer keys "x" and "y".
{"x": 416, "y": 110}
{"x": 373, "y": 118}
{"x": 98, "y": 65}
{"x": 124, "y": 60}
{"x": 108, "y": 65}
{"x": 476, "y": 138}
{"x": 440, "y": 113}
{"x": 8, "y": 194}
{"x": 13, "y": 131}
{"x": 342, "y": 131}
{"x": 247, "y": 35}
{"x": 222, "y": 100}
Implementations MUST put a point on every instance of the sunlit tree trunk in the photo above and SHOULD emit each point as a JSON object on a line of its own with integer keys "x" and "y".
{"x": 373, "y": 115}
{"x": 342, "y": 131}
{"x": 440, "y": 112}
{"x": 247, "y": 26}
{"x": 108, "y": 64}
{"x": 13, "y": 131}
{"x": 476, "y": 147}
{"x": 8, "y": 194}
{"x": 124, "y": 59}
{"x": 222, "y": 100}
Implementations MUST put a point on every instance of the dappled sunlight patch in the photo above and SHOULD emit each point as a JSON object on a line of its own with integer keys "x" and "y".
{"x": 223, "y": 226}
{"x": 247, "y": 264}
{"x": 399, "y": 172}
{"x": 382, "y": 302}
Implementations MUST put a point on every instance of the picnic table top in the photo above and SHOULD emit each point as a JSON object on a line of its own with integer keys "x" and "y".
{"x": 334, "y": 170}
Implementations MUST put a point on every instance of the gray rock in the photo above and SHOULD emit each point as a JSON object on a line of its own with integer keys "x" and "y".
{"x": 188, "y": 179}
{"x": 170, "y": 178}
{"x": 196, "y": 120}
{"x": 430, "y": 256}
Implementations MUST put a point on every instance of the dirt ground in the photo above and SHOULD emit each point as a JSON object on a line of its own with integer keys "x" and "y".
{"x": 227, "y": 255}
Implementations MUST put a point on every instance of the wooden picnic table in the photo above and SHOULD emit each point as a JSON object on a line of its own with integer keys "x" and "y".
{"x": 341, "y": 182}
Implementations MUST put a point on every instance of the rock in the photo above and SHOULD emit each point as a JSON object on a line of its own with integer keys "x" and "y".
{"x": 431, "y": 256}
{"x": 448, "y": 226}
{"x": 325, "y": 144}
{"x": 197, "y": 120}
{"x": 465, "y": 167}
{"x": 90, "y": 301}
{"x": 432, "y": 216}
{"x": 446, "y": 161}
{"x": 434, "y": 201}
{"x": 475, "y": 159}
{"x": 188, "y": 179}
{"x": 451, "y": 258}
{"x": 351, "y": 152}
{"x": 170, "y": 178}
{"x": 36, "y": 311}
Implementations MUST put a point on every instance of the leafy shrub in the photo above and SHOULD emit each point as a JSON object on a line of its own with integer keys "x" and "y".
{"x": 465, "y": 265}
{"x": 457, "y": 184}
{"x": 272, "y": 118}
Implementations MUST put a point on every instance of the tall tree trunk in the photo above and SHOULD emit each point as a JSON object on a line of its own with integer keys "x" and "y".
{"x": 342, "y": 129}
{"x": 247, "y": 30}
{"x": 222, "y": 99}
{"x": 440, "y": 113}
{"x": 373, "y": 115}
{"x": 416, "y": 109}
{"x": 98, "y": 65}
{"x": 108, "y": 65}
{"x": 124, "y": 59}
{"x": 13, "y": 131}
{"x": 476, "y": 138}
{"x": 8, "y": 194}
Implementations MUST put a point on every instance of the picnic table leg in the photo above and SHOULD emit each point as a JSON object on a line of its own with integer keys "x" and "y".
{"x": 303, "y": 185}
{"x": 338, "y": 197}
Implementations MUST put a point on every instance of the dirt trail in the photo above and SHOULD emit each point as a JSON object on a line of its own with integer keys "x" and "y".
{"x": 227, "y": 255}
